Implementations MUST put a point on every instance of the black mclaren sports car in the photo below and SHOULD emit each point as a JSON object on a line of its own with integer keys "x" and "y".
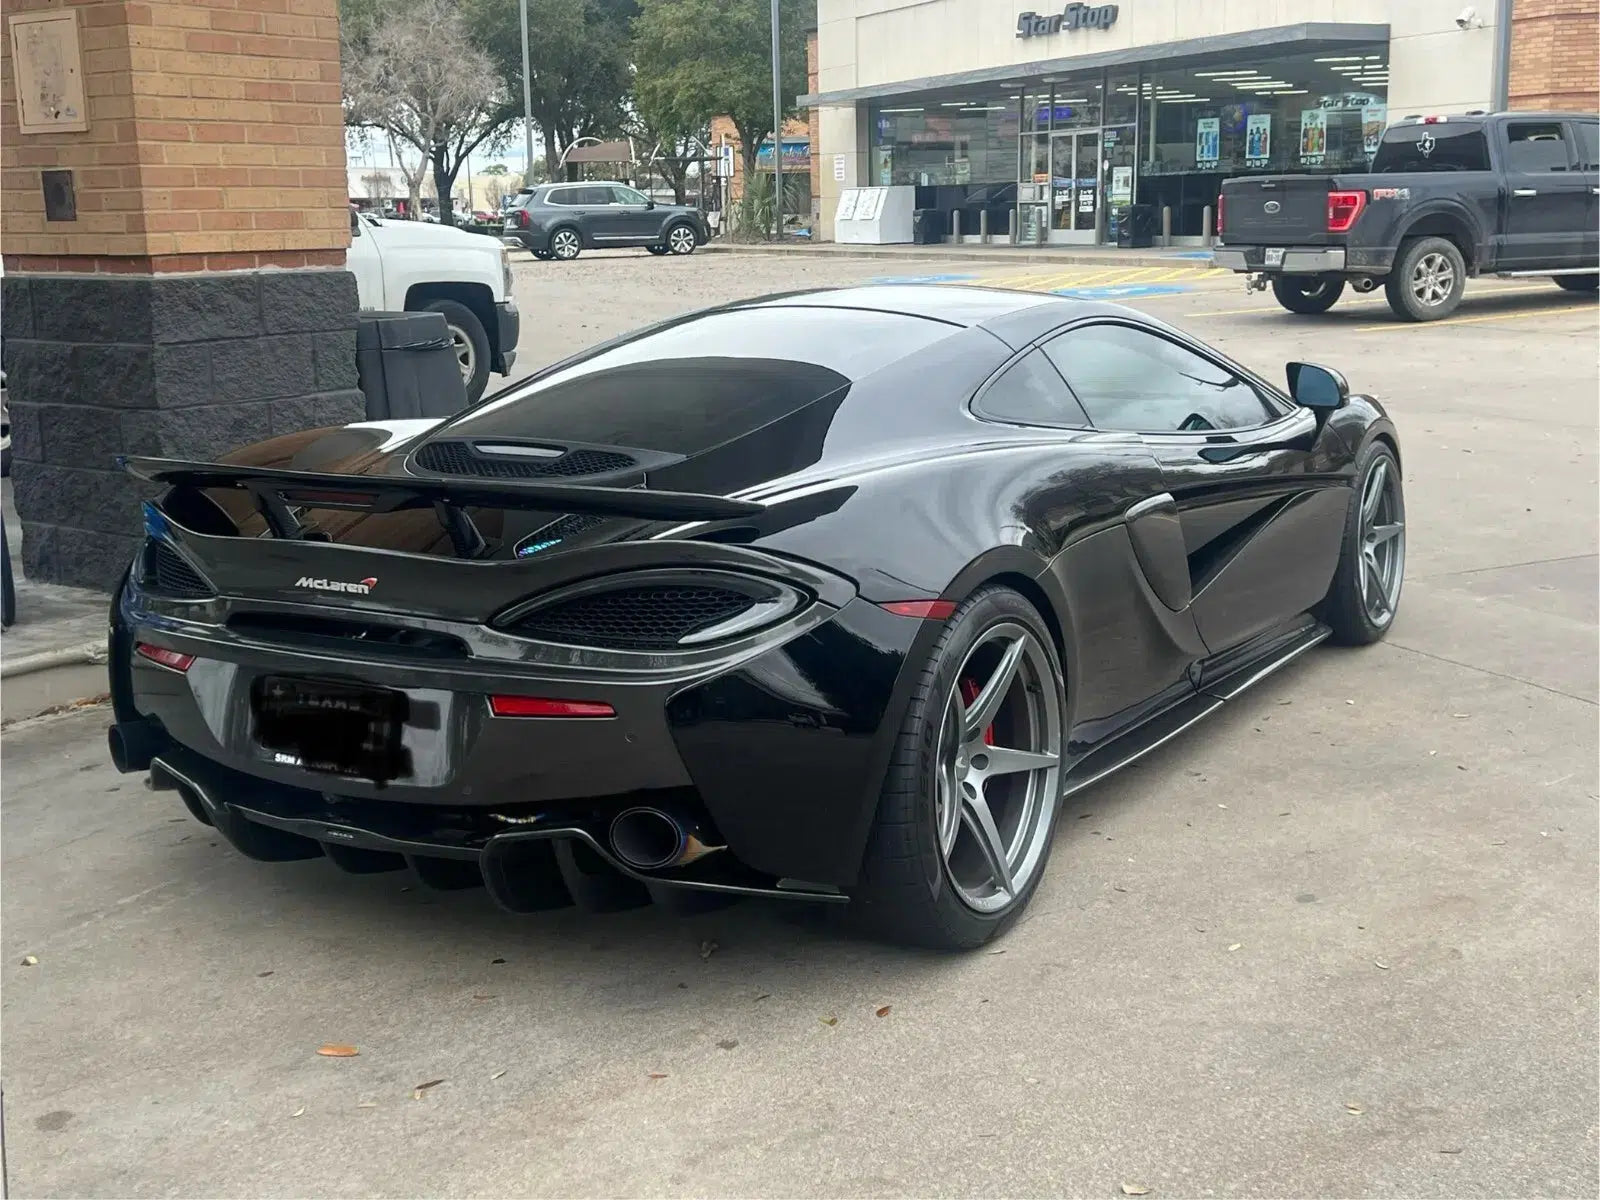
{"x": 830, "y": 596}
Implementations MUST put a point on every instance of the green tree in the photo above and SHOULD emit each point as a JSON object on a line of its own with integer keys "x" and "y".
{"x": 578, "y": 64}
{"x": 698, "y": 59}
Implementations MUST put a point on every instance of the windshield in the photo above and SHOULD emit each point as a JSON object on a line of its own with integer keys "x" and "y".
{"x": 1438, "y": 147}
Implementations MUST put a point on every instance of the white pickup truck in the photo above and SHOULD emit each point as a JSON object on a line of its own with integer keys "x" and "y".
{"x": 410, "y": 266}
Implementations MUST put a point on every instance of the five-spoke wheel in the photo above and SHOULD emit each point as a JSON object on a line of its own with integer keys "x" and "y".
{"x": 1365, "y": 594}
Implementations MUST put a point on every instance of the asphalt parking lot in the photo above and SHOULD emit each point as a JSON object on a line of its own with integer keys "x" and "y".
{"x": 1340, "y": 940}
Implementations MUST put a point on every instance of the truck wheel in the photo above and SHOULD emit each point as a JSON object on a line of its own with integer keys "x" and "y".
{"x": 1427, "y": 280}
{"x": 1577, "y": 283}
{"x": 470, "y": 343}
{"x": 1307, "y": 293}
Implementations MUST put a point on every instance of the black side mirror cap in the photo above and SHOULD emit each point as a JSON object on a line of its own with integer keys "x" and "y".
{"x": 1317, "y": 387}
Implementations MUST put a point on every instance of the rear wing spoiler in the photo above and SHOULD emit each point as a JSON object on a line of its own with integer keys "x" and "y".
{"x": 275, "y": 490}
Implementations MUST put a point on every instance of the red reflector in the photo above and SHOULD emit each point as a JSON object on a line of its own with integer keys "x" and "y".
{"x": 1343, "y": 209}
{"x": 923, "y": 610}
{"x": 161, "y": 656}
{"x": 536, "y": 706}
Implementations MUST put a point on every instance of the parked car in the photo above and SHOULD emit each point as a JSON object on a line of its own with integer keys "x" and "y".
{"x": 1506, "y": 194}
{"x": 409, "y": 266}
{"x": 826, "y": 597}
{"x": 561, "y": 220}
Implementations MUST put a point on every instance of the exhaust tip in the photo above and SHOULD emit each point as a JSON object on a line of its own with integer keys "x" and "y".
{"x": 133, "y": 745}
{"x": 647, "y": 839}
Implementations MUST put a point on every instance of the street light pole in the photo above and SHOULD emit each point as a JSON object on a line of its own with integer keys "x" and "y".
{"x": 777, "y": 132}
{"x": 527, "y": 100}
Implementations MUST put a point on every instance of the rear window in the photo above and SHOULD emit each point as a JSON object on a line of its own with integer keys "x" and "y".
{"x": 1440, "y": 147}
{"x": 704, "y": 381}
{"x": 520, "y": 200}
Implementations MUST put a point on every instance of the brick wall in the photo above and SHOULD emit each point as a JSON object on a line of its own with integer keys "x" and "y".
{"x": 1555, "y": 55}
{"x": 216, "y": 141}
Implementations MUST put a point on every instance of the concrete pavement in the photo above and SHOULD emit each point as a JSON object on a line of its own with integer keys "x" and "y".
{"x": 1339, "y": 940}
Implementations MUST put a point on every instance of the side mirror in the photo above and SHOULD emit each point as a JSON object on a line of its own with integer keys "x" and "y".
{"x": 649, "y": 203}
{"x": 1320, "y": 388}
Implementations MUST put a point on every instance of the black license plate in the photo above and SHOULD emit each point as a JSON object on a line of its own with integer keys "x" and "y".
{"x": 332, "y": 726}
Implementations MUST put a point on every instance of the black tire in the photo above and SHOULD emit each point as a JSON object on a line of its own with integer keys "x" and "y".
{"x": 8, "y": 589}
{"x": 1403, "y": 288}
{"x": 904, "y": 894}
{"x": 1577, "y": 283}
{"x": 681, "y": 238}
{"x": 543, "y": 255}
{"x": 566, "y": 243}
{"x": 1308, "y": 294}
{"x": 1343, "y": 609}
{"x": 471, "y": 344}
{"x": 657, "y": 250}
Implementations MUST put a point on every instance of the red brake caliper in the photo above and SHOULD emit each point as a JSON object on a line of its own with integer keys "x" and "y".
{"x": 969, "y": 693}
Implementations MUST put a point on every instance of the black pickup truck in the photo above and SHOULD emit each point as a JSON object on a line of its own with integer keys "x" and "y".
{"x": 1504, "y": 194}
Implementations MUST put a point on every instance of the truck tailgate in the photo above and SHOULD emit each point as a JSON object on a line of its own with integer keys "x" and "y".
{"x": 1276, "y": 210}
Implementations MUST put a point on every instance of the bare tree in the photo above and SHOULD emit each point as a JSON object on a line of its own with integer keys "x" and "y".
{"x": 378, "y": 185}
{"x": 418, "y": 78}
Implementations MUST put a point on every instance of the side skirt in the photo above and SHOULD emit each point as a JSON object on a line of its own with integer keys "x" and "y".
{"x": 1216, "y": 689}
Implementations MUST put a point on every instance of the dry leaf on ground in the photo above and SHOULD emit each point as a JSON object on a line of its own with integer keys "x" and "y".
{"x": 29, "y": 960}
{"x": 299, "y": 1112}
{"x": 1134, "y": 1189}
{"x": 1350, "y": 1106}
{"x": 829, "y": 1020}
{"x": 416, "y": 1092}
{"x": 335, "y": 1050}
{"x": 497, "y": 1075}
{"x": 1235, "y": 946}
{"x": 1380, "y": 964}
{"x": 658, "y": 1075}
{"x": 884, "y": 1011}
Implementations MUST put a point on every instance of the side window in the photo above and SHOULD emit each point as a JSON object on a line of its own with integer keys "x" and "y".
{"x": 562, "y": 196}
{"x": 626, "y": 195}
{"x": 1030, "y": 392}
{"x": 1536, "y": 146}
{"x": 1443, "y": 147}
{"x": 1131, "y": 380}
{"x": 1588, "y": 134}
{"x": 591, "y": 196}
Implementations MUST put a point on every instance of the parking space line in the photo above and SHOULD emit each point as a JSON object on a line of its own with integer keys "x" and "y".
{"x": 1235, "y": 312}
{"x": 1589, "y": 309}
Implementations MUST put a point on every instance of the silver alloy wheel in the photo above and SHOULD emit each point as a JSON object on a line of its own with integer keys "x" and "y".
{"x": 999, "y": 762}
{"x": 681, "y": 240}
{"x": 565, "y": 244}
{"x": 1381, "y": 568}
{"x": 466, "y": 356}
{"x": 1433, "y": 279}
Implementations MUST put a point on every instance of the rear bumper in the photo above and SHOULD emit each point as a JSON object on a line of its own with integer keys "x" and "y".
{"x": 528, "y": 239}
{"x": 781, "y": 746}
{"x": 1297, "y": 260}
{"x": 509, "y": 329}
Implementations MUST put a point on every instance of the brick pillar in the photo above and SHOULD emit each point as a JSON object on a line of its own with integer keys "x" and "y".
{"x": 1555, "y": 55}
{"x": 196, "y": 299}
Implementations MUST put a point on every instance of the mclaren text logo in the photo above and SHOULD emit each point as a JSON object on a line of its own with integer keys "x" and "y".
{"x": 338, "y": 585}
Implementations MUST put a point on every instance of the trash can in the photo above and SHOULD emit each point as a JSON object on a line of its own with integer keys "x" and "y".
{"x": 1136, "y": 228}
{"x": 926, "y": 227}
{"x": 407, "y": 366}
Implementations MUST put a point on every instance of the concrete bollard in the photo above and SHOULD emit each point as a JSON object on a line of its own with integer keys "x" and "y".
{"x": 955, "y": 225}
{"x": 1166, "y": 224}
{"x": 1205, "y": 226}
{"x": 983, "y": 226}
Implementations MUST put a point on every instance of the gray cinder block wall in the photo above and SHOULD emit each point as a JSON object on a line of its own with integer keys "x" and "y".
{"x": 175, "y": 366}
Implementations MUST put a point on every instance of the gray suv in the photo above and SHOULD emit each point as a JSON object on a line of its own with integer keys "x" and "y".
{"x": 561, "y": 220}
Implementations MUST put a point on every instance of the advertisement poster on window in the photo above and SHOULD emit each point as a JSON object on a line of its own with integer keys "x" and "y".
{"x": 1121, "y": 185}
{"x": 1313, "y": 136}
{"x": 1373, "y": 119}
{"x": 1258, "y": 139}
{"x": 1207, "y": 141}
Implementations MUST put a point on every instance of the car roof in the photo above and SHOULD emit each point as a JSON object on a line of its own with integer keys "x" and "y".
{"x": 953, "y": 304}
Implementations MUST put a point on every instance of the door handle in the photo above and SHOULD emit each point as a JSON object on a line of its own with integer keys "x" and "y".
{"x": 1524, "y": 191}
{"x": 1595, "y": 190}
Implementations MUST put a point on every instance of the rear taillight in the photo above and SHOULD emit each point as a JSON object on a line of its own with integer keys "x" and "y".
{"x": 1343, "y": 209}
{"x": 161, "y": 656}
{"x": 539, "y": 706}
{"x": 523, "y": 218}
{"x": 1219, "y": 215}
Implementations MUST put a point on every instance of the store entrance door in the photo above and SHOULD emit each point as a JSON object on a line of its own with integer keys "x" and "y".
{"x": 1074, "y": 186}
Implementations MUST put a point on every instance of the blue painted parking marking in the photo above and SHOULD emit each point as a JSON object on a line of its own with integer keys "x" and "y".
{"x": 1124, "y": 292}
{"x": 1191, "y": 254}
{"x": 922, "y": 278}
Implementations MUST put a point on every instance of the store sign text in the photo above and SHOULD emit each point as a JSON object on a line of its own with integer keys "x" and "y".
{"x": 1075, "y": 16}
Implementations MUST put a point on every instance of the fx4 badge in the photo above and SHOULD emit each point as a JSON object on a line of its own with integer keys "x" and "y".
{"x": 338, "y": 585}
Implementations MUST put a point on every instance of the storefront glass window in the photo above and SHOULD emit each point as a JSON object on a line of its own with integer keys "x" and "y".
{"x": 1036, "y": 110}
{"x": 1301, "y": 113}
